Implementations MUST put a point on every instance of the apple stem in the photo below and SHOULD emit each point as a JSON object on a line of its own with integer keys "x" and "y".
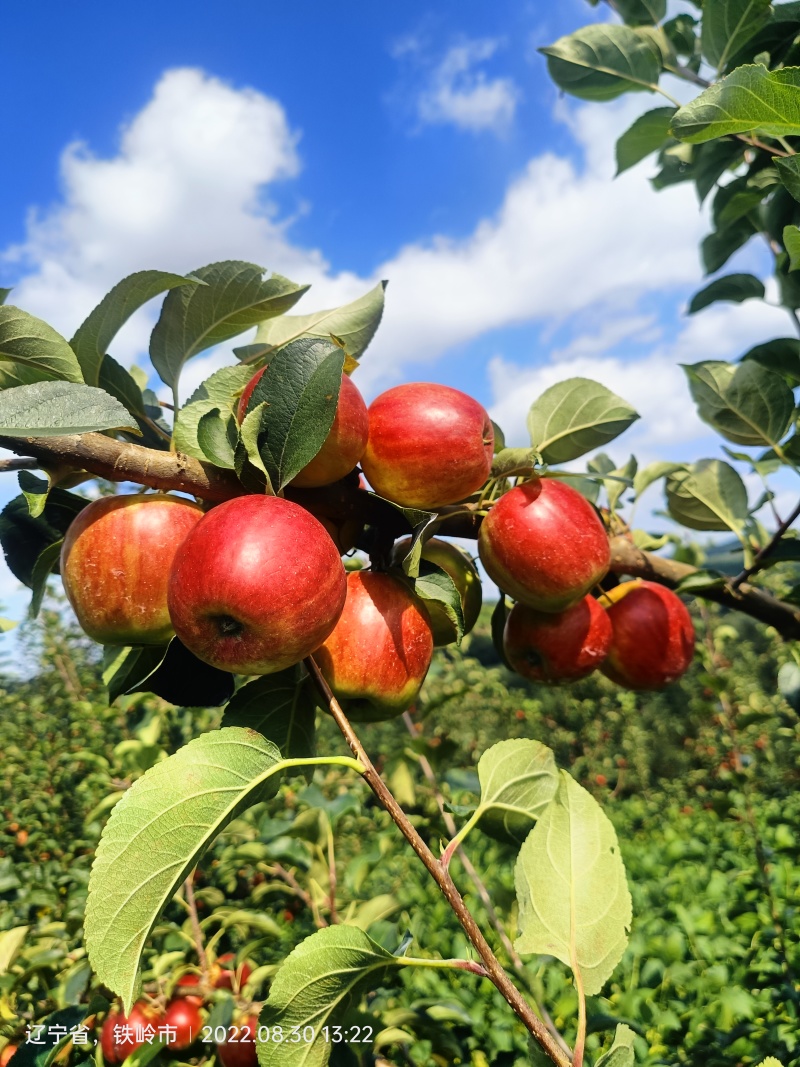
{"x": 195, "y": 921}
{"x": 494, "y": 970}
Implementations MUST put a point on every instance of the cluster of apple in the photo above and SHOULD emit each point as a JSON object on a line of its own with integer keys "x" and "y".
{"x": 256, "y": 584}
{"x": 181, "y": 1023}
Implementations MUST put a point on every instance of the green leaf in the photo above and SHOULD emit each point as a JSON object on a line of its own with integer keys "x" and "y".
{"x": 316, "y": 986}
{"x": 353, "y": 325}
{"x": 646, "y": 135}
{"x": 575, "y": 416}
{"x": 35, "y": 490}
{"x": 57, "y": 1023}
{"x": 36, "y": 347}
{"x": 708, "y": 495}
{"x": 221, "y": 391}
{"x": 733, "y": 287}
{"x": 11, "y": 941}
{"x": 280, "y": 706}
{"x": 249, "y": 464}
{"x": 217, "y": 435}
{"x": 641, "y": 12}
{"x": 48, "y": 409}
{"x": 419, "y": 521}
{"x": 770, "y": 1061}
{"x": 120, "y": 383}
{"x": 728, "y": 25}
{"x": 518, "y": 780}
{"x": 184, "y": 680}
{"x": 95, "y": 334}
{"x": 781, "y": 355}
{"x": 745, "y": 402}
{"x": 301, "y": 390}
{"x": 127, "y": 667}
{"x": 653, "y": 472}
{"x": 235, "y": 296}
{"x": 620, "y": 479}
{"x": 791, "y": 241}
{"x": 45, "y": 565}
{"x": 712, "y": 160}
{"x": 789, "y": 171}
{"x": 718, "y": 247}
{"x": 154, "y": 837}
{"x": 700, "y": 581}
{"x": 735, "y": 201}
{"x": 573, "y": 897}
{"x": 789, "y": 684}
{"x": 680, "y": 32}
{"x": 24, "y": 538}
{"x": 602, "y": 61}
{"x": 621, "y": 1053}
{"x": 4, "y": 294}
{"x": 510, "y": 461}
{"x": 752, "y": 99}
{"x": 434, "y": 584}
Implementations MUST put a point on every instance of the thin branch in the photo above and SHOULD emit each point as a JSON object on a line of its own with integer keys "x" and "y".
{"x": 279, "y": 871}
{"x": 18, "y": 463}
{"x": 495, "y": 972}
{"x": 188, "y": 889}
{"x": 332, "y": 877}
{"x": 765, "y": 552}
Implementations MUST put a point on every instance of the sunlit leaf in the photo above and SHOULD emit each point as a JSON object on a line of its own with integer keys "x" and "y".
{"x": 52, "y": 408}
{"x": 36, "y": 347}
{"x": 602, "y": 61}
{"x": 575, "y": 416}
{"x": 752, "y": 99}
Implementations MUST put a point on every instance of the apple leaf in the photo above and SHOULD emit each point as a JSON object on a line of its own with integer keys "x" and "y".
{"x": 575, "y": 416}
{"x": 45, "y": 565}
{"x": 653, "y": 472}
{"x": 435, "y": 584}
{"x": 35, "y": 490}
{"x": 733, "y": 287}
{"x": 647, "y": 134}
{"x": 24, "y": 538}
{"x": 750, "y": 99}
{"x": 182, "y": 679}
{"x": 93, "y": 337}
{"x": 791, "y": 242}
{"x": 120, "y": 383}
{"x": 217, "y": 436}
{"x": 234, "y": 297}
{"x": 746, "y": 403}
{"x": 728, "y": 25}
{"x": 602, "y": 61}
{"x": 518, "y": 780}
{"x": 300, "y": 389}
{"x": 54, "y": 408}
{"x": 317, "y": 984}
{"x": 37, "y": 349}
{"x": 573, "y": 896}
{"x": 221, "y": 391}
{"x": 125, "y": 667}
{"x": 708, "y": 495}
{"x": 155, "y": 836}
{"x": 621, "y": 1053}
{"x": 4, "y": 294}
{"x": 789, "y": 173}
{"x": 770, "y": 1061}
{"x": 280, "y": 706}
{"x": 782, "y": 354}
{"x": 353, "y": 325}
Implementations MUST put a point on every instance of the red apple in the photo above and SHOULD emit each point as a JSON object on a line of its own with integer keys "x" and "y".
{"x": 227, "y": 975}
{"x": 242, "y": 1051}
{"x": 256, "y": 586}
{"x": 185, "y": 1018}
{"x": 653, "y": 636}
{"x": 121, "y": 1036}
{"x": 187, "y": 984}
{"x": 378, "y": 655}
{"x": 7, "y": 1053}
{"x": 342, "y": 448}
{"x": 544, "y": 544}
{"x": 115, "y": 565}
{"x": 455, "y": 562}
{"x": 429, "y": 445}
{"x": 557, "y": 647}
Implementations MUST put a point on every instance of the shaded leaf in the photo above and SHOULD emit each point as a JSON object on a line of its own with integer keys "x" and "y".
{"x": 510, "y": 461}
{"x": 647, "y": 134}
{"x": 217, "y": 435}
{"x": 154, "y": 837}
{"x": 751, "y": 99}
{"x": 602, "y": 61}
{"x": 125, "y": 667}
{"x": 45, "y": 565}
{"x": 280, "y": 706}
{"x": 791, "y": 242}
{"x": 745, "y": 402}
{"x": 435, "y": 584}
{"x": 728, "y": 25}
{"x": 641, "y": 12}
{"x": 573, "y": 896}
{"x": 4, "y": 294}
{"x": 518, "y": 780}
{"x": 789, "y": 171}
{"x": 575, "y": 416}
{"x": 718, "y": 247}
{"x": 498, "y": 626}
{"x": 781, "y": 355}
{"x": 120, "y": 383}
{"x": 708, "y": 495}
{"x": 733, "y": 287}
{"x": 24, "y": 538}
{"x": 183, "y": 679}
{"x": 37, "y": 347}
{"x": 93, "y": 337}
{"x": 680, "y": 32}
{"x": 653, "y": 472}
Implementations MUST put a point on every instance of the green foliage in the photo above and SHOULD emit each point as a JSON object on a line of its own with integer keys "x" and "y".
{"x": 518, "y": 779}
{"x": 45, "y": 409}
{"x": 746, "y": 403}
{"x": 752, "y": 99}
{"x": 574, "y": 416}
{"x": 733, "y": 287}
{"x": 708, "y": 495}
{"x": 602, "y": 62}
{"x": 280, "y": 706}
{"x": 34, "y": 349}
{"x": 728, "y": 25}
{"x": 649, "y": 132}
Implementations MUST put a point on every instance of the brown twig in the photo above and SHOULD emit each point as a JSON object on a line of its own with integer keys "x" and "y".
{"x": 18, "y": 463}
{"x": 279, "y": 871}
{"x": 494, "y": 971}
{"x": 191, "y": 904}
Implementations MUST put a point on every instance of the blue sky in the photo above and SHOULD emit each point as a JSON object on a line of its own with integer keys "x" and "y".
{"x": 338, "y": 144}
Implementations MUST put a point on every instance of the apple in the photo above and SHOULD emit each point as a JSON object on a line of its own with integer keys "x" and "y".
{"x": 429, "y": 445}
{"x": 117, "y": 1044}
{"x": 242, "y": 1051}
{"x": 544, "y": 544}
{"x": 557, "y": 647}
{"x": 188, "y": 987}
{"x": 455, "y": 562}
{"x": 7, "y": 1053}
{"x": 184, "y": 1017}
{"x": 378, "y": 654}
{"x": 653, "y": 636}
{"x": 115, "y": 565}
{"x": 256, "y": 586}
{"x": 226, "y": 974}
{"x": 342, "y": 448}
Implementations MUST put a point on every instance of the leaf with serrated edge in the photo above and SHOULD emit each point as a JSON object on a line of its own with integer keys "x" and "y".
{"x": 93, "y": 337}
{"x": 750, "y": 99}
{"x": 47, "y": 409}
{"x": 316, "y": 985}
{"x": 621, "y": 1053}
{"x": 575, "y": 416}
{"x": 746, "y": 403}
{"x": 42, "y": 351}
{"x": 193, "y": 318}
{"x": 573, "y": 896}
{"x": 728, "y": 25}
{"x": 708, "y": 495}
{"x": 648, "y": 133}
{"x": 155, "y": 836}
{"x": 735, "y": 288}
{"x": 222, "y": 390}
{"x": 518, "y": 780}
{"x": 602, "y": 61}
{"x": 279, "y": 706}
{"x": 353, "y": 324}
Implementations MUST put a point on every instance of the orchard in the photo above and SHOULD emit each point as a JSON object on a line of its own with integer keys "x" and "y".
{"x": 275, "y": 547}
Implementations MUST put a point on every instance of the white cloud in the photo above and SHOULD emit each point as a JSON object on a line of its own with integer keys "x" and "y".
{"x": 460, "y": 95}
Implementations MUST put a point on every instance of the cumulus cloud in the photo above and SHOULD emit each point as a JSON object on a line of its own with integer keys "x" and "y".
{"x": 461, "y": 95}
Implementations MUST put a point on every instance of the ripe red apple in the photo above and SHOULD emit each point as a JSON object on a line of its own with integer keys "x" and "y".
{"x": 455, "y": 562}
{"x": 187, "y": 984}
{"x": 342, "y": 448}
{"x": 653, "y": 636}
{"x": 557, "y": 647}
{"x": 184, "y": 1016}
{"x": 429, "y": 445}
{"x": 256, "y": 586}
{"x": 7, "y": 1053}
{"x": 226, "y": 974}
{"x": 115, "y": 565}
{"x": 544, "y": 544}
{"x": 242, "y": 1051}
{"x": 378, "y": 655}
{"x": 120, "y": 1036}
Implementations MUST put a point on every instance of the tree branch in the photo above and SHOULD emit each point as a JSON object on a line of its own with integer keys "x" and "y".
{"x": 18, "y": 463}
{"x": 767, "y": 550}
